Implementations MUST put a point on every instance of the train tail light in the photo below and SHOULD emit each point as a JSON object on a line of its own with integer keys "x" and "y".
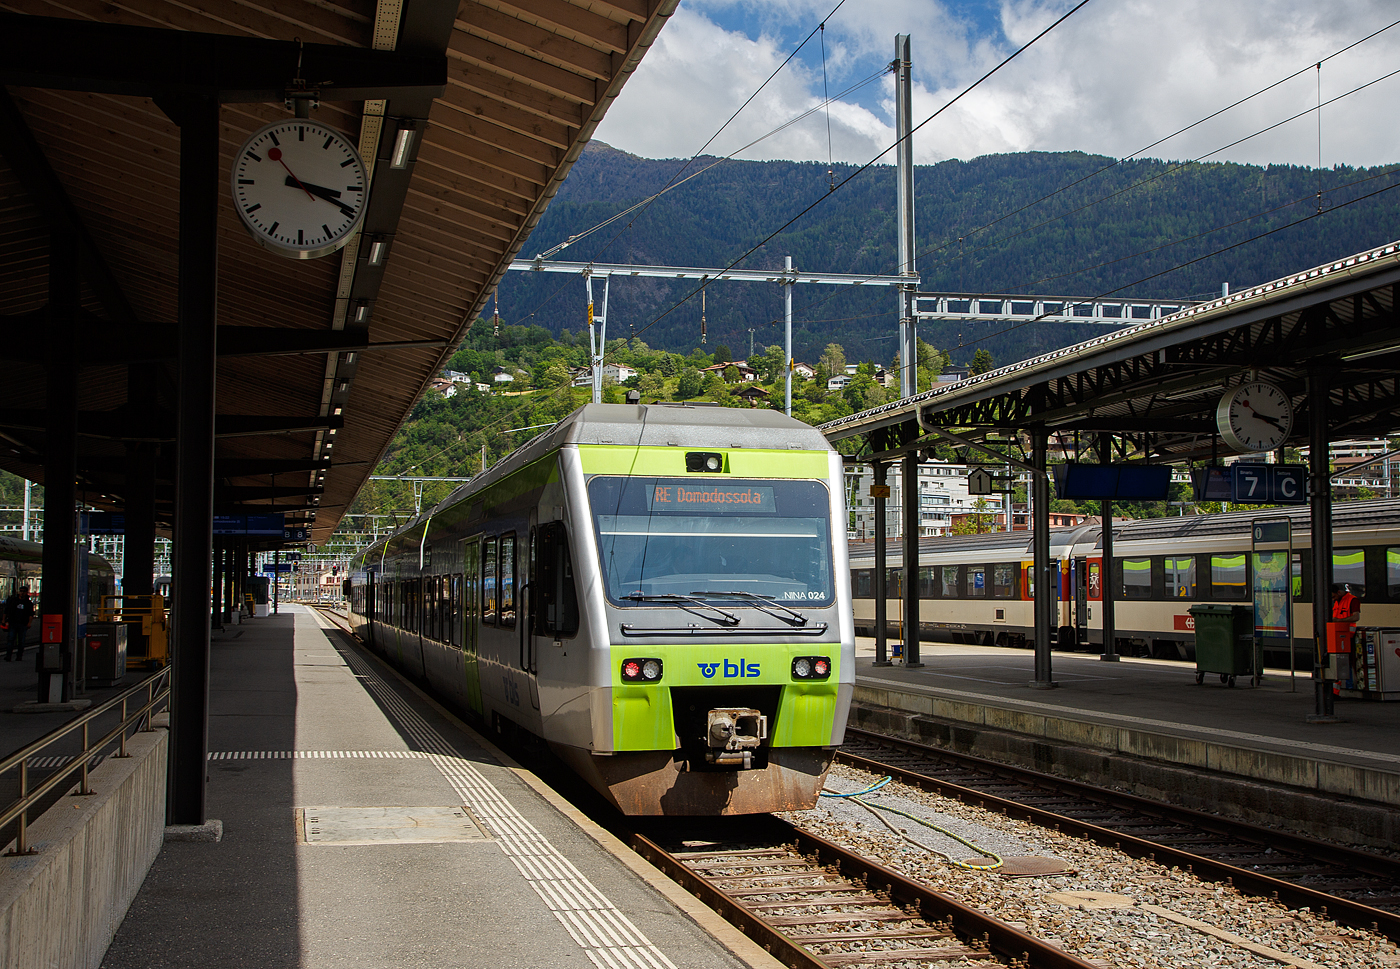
{"x": 641, "y": 670}
{"x": 811, "y": 667}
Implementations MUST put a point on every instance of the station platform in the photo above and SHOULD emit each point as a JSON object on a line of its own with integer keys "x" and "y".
{"x": 1116, "y": 717}
{"x": 364, "y": 826}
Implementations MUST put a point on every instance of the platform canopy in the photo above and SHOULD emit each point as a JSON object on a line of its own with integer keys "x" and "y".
{"x": 1157, "y": 385}
{"x": 320, "y": 361}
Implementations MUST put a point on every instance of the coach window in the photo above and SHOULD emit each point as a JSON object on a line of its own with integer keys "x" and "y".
{"x": 1180, "y": 577}
{"x": 1228, "y": 577}
{"x": 894, "y": 583}
{"x": 507, "y": 581}
{"x": 928, "y": 584}
{"x": 488, "y": 581}
{"x": 977, "y": 581}
{"x": 1301, "y": 588}
{"x": 862, "y": 583}
{"x": 1349, "y": 566}
{"x": 950, "y": 581}
{"x": 1137, "y": 578}
{"x": 1004, "y": 580}
{"x": 553, "y": 595}
{"x": 454, "y": 614}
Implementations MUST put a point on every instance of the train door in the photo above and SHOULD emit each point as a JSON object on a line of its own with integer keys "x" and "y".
{"x": 529, "y": 657}
{"x": 1079, "y": 575}
{"x": 469, "y": 609}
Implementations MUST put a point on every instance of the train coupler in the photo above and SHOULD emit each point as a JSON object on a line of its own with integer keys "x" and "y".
{"x": 733, "y": 734}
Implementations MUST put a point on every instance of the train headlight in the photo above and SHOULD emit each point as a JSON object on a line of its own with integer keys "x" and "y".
{"x": 811, "y": 667}
{"x": 641, "y": 670}
{"x": 801, "y": 668}
{"x": 710, "y": 461}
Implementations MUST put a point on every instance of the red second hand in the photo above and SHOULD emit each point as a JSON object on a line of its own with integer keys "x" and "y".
{"x": 276, "y": 155}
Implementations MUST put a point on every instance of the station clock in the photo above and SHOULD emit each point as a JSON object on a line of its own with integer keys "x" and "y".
{"x": 1254, "y": 416}
{"x": 299, "y": 187}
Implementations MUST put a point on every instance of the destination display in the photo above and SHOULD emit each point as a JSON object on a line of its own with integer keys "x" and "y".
{"x": 710, "y": 499}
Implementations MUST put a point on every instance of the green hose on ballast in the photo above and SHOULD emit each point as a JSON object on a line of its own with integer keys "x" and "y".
{"x": 876, "y": 808}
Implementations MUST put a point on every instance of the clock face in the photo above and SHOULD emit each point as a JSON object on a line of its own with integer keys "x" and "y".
{"x": 299, "y": 187}
{"x": 1254, "y": 417}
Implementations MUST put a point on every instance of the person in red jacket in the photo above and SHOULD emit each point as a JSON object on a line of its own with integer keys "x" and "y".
{"x": 1345, "y": 606}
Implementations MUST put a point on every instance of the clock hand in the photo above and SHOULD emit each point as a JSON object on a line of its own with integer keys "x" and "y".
{"x": 318, "y": 191}
{"x": 276, "y": 155}
{"x": 1264, "y": 417}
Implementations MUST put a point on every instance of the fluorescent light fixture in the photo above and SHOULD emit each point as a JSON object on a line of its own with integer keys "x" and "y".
{"x": 350, "y": 357}
{"x": 376, "y": 252}
{"x": 343, "y": 386}
{"x": 402, "y": 144}
{"x": 361, "y": 311}
{"x": 1366, "y": 354}
{"x": 333, "y": 430}
{"x": 338, "y": 410}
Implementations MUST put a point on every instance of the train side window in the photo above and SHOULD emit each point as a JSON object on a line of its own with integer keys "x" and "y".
{"x": 507, "y": 581}
{"x": 1004, "y": 580}
{"x": 894, "y": 583}
{"x": 488, "y": 581}
{"x": 862, "y": 583}
{"x": 553, "y": 593}
{"x": 1229, "y": 578}
{"x": 454, "y": 615}
{"x": 1135, "y": 578}
{"x": 1180, "y": 572}
{"x": 928, "y": 586}
{"x": 1349, "y": 566}
{"x": 1392, "y": 573}
{"x": 950, "y": 581}
{"x": 976, "y": 581}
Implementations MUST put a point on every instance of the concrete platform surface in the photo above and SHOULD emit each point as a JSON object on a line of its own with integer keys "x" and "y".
{"x": 363, "y": 827}
{"x": 1151, "y": 696}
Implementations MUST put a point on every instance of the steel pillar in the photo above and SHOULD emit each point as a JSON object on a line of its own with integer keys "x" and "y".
{"x": 881, "y": 590}
{"x": 1110, "y": 632}
{"x": 787, "y": 334}
{"x": 904, "y": 199}
{"x": 1320, "y": 486}
{"x": 1043, "y": 567}
{"x": 58, "y": 592}
{"x": 194, "y": 491}
{"x": 911, "y": 559}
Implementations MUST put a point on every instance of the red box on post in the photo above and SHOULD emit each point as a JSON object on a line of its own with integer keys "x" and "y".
{"x": 51, "y": 629}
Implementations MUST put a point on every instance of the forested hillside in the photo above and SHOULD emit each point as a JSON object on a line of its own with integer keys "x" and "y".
{"x": 978, "y": 229}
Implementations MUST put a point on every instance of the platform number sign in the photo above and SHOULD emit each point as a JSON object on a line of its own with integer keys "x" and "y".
{"x": 296, "y": 534}
{"x": 1269, "y": 484}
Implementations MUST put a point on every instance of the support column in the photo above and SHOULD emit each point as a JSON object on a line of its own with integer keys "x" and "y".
{"x": 1110, "y": 632}
{"x": 881, "y": 591}
{"x": 1320, "y": 485}
{"x": 276, "y": 578}
{"x": 58, "y": 592}
{"x": 194, "y": 485}
{"x": 1043, "y": 569}
{"x": 787, "y": 334}
{"x": 904, "y": 204}
{"x": 911, "y": 559}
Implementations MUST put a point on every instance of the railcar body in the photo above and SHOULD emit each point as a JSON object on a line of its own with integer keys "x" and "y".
{"x": 978, "y": 588}
{"x": 22, "y": 564}
{"x": 659, "y": 592}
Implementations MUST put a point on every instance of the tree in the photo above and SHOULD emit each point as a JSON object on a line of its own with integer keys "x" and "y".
{"x": 731, "y": 374}
{"x": 770, "y": 364}
{"x": 689, "y": 384}
{"x": 722, "y": 354}
{"x": 713, "y": 386}
{"x": 833, "y": 360}
{"x": 981, "y": 362}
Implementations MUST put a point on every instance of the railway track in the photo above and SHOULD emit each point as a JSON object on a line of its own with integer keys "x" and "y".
{"x": 813, "y": 903}
{"x": 1353, "y": 887}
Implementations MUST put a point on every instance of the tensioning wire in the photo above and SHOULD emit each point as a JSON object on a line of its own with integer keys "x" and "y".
{"x": 873, "y": 808}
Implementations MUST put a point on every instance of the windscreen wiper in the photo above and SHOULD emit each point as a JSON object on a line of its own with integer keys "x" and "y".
{"x": 688, "y": 604}
{"x": 793, "y": 616}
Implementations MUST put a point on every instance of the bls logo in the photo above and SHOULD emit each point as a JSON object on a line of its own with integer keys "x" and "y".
{"x": 708, "y": 670}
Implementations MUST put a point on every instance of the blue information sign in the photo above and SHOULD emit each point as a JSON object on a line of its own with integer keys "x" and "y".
{"x": 277, "y": 566}
{"x": 1269, "y": 484}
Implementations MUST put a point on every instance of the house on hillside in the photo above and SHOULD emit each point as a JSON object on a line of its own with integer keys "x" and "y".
{"x": 443, "y": 386}
{"x": 618, "y": 372}
{"x": 756, "y": 396}
{"x": 839, "y": 382}
{"x": 746, "y": 373}
{"x": 501, "y": 379}
{"x": 805, "y": 371}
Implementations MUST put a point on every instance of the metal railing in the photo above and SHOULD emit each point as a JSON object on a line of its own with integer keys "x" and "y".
{"x": 156, "y": 690}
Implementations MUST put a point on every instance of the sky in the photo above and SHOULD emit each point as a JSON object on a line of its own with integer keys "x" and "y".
{"x": 1113, "y": 79}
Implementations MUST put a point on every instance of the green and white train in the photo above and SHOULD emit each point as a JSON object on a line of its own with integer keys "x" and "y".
{"x": 660, "y": 592}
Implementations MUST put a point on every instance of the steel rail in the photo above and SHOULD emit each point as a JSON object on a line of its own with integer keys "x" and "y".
{"x": 1010, "y": 943}
{"x": 1344, "y": 910}
{"x": 156, "y": 688}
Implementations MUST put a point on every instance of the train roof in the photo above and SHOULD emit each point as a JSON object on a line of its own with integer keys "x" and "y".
{"x": 32, "y": 553}
{"x": 646, "y": 425}
{"x": 1347, "y": 516}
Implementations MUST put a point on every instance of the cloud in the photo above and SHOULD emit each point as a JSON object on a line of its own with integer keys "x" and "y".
{"x": 1112, "y": 79}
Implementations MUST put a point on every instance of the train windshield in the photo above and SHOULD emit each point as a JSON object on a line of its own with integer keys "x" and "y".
{"x": 680, "y": 536}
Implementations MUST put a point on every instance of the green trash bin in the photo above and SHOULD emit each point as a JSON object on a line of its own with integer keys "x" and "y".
{"x": 1224, "y": 641}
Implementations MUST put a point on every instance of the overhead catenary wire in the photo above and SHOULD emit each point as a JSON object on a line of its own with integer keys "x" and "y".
{"x": 859, "y": 171}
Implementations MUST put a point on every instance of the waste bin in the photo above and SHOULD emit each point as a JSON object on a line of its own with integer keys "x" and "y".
{"x": 106, "y": 653}
{"x": 1224, "y": 641}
